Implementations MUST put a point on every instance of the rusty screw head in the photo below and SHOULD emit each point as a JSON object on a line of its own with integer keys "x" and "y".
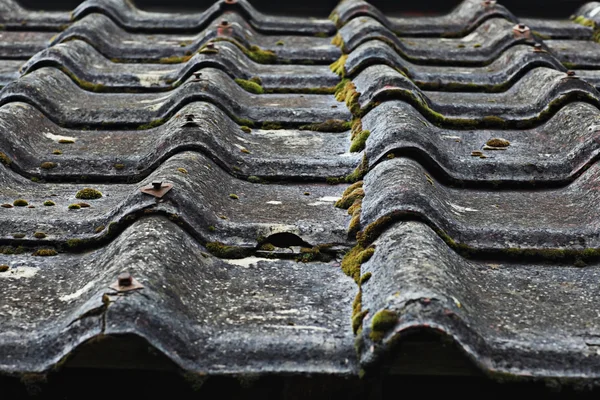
{"x": 570, "y": 73}
{"x": 224, "y": 22}
{"x": 156, "y": 185}
{"x": 197, "y": 75}
{"x": 538, "y": 47}
{"x": 125, "y": 279}
{"x": 522, "y": 27}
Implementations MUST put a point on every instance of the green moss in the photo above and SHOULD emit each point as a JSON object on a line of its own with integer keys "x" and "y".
{"x": 359, "y": 172}
{"x": 581, "y": 20}
{"x": 174, "y": 59}
{"x": 267, "y": 247}
{"x": 4, "y": 268}
{"x": 119, "y": 166}
{"x": 220, "y": 250}
{"x": 72, "y": 243}
{"x": 245, "y": 129}
{"x": 338, "y": 41}
{"x": 49, "y": 203}
{"x": 4, "y": 159}
{"x": 254, "y": 179}
{"x": 477, "y": 45}
{"x": 279, "y": 43}
{"x": 74, "y": 206}
{"x": 20, "y": 203}
{"x": 354, "y": 225}
{"x": 39, "y": 235}
{"x": 339, "y": 66}
{"x": 492, "y": 120}
{"x": 244, "y": 122}
{"x": 151, "y": 124}
{"x": 358, "y": 143}
{"x": 250, "y": 86}
{"x": 45, "y": 253}
{"x": 57, "y": 152}
{"x": 18, "y": 235}
{"x": 331, "y": 125}
{"x": 66, "y": 141}
{"x": 352, "y": 188}
{"x": 354, "y": 259}
{"x": 182, "y": 170}
{"x": 321, "y": 34}
{"x": 271, "y": 125}
{"x": 364, "y": 278}
{"x": 245, "y": 150}
{"x": 347, "y": 200}
{"x": 212, "y": 228}
{"x": 234, "y": 196}
{"x": 382, "y": 321}
{"x": 541, "y": 35}
{"x": 88, "y": 194}
{"x": 372, "y": 231}
{"x": 48, "y": 165}
{"x": 357, "y": 320}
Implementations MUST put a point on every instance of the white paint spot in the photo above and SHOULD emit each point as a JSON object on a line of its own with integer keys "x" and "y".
{"x": 329, "y": 199}
{"x": 469, "y": 38}
{"x": 461, "y": 209}
{"x": 273, "y": 202}
{"x": 248, "y": 261}
{"x": 78, "y": 293}
{"x": 20, "y": 272}
{"x": 152, "y": 78}
{"x": 56, "y": 138}
{"x": 299, "y": 327}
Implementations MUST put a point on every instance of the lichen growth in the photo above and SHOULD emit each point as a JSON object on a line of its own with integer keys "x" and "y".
{"x": 250, "y": 86}
{"x": 39, "y": 235}
{"x": 359, "y": 141}
{"x": 354, "y": 259}
{"x": 20, "y": 203}
{"x": 48, "y": 165}
{"x": 271, "y": 125}
{"x": 382, "y": 321}
{"x": 45, "y": 253}
{"x": 88, "y": 194}
{"x": 497, "y": 142}
{"x": 339, "y": 66}
{"x": 331, "y": 125}
{"x": 4, "y": 159}
{"x": 174, "y": 59}
{"x": 221, "y": 250}
{"x": 182, "y": 170}
{"x": 74, "y": 206}
{"x": 245, "y": 129}
{"x": 234, "y": 196}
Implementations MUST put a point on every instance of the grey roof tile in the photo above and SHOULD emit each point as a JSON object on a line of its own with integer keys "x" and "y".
{"x": 470, "y": 146}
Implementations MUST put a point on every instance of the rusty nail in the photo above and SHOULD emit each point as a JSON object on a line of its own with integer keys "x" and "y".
{"x": 224, "y": 22}
{"x": 157, "y": 185}
{"x": 124, "y": 279}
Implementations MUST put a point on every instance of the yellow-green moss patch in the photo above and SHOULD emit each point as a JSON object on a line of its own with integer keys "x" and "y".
{"x": 182, "y": 170}
{"x": 4, "y": 159}
{"x": 358, "y": 143}
{"x": 331, "y": 125}
{"x": 66, "y": 141}
{"x": 354, "y": 259}
{"x": 234, "y": 196}
{"x": 74, "y": 206}
{"x": 20, "y": 203}
{"x": 119, "y": 166}
{"x": 88, "y": 194}
{"x": 39, "y": 235}
{"x": 245, "y": 129}
{"x": 382, "y": 321}
{"x": 223, "y": 251}
{"x": 49, "y": 203}
{"x": 339, "y": 66}
{"x": 45, "y": 253}
{"x": 271, "y": 125}
{"x": 250, "y": 86}
{"x": 48, "y": 165}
